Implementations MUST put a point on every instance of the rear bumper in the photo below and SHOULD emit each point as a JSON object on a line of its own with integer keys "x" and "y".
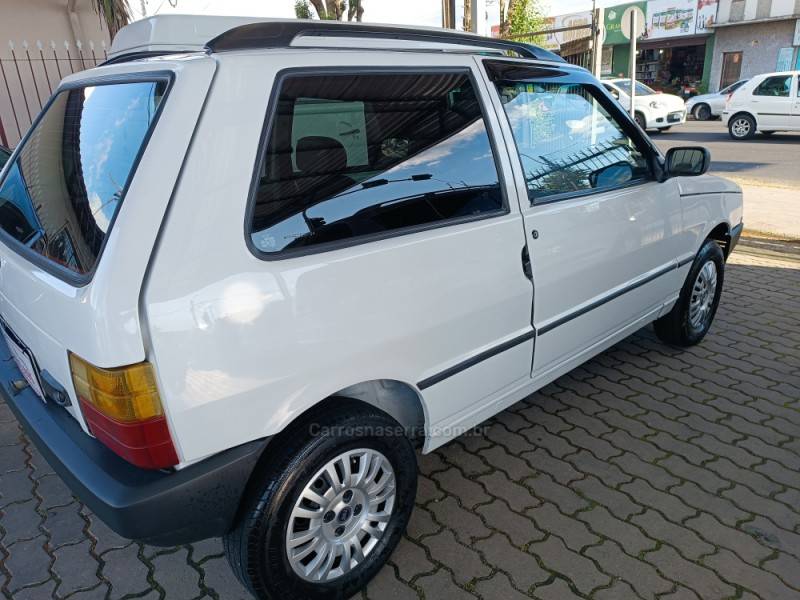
{"x": 157, "y": 507}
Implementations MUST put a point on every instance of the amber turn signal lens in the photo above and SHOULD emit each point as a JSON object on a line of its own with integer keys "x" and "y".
{"x": 128, "y": 394}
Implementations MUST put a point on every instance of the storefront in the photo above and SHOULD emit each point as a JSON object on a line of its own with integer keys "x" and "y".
{"x": 674, "y": 52}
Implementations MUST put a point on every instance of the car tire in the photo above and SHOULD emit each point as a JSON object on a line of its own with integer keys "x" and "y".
{"x": 640, "y": 120}
{"x": 742, "y": 127}
{"x": 690, "y": 319}
{"x": 346, "y": 435}
{"x": 701, "y": 112}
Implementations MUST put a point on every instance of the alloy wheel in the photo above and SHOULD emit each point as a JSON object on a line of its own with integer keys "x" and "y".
{"x": 704, "y": 292}
{"x": 741, "y": 127}
{"x": 341, "y": 515}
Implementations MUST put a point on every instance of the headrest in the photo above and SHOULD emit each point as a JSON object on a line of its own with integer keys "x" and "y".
{"x": 319, "y": 154}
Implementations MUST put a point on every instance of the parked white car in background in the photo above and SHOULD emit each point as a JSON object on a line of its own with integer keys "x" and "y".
{"x": 653, "y": 110}
{"x": 708, "y": 106}
{"x": 766, "y": 103}
{"x": 243, "y": 282}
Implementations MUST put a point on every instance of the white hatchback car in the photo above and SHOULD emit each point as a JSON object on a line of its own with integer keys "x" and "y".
{"x": 766, "y": 103}
{"x": 241, "y": 283}
{"x": 653, "y": 110}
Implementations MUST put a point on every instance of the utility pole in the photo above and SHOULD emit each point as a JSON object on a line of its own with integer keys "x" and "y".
{"x": 632, "y": 65}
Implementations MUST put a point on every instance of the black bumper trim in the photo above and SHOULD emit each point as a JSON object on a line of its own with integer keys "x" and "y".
{"x": 157, "y": 507}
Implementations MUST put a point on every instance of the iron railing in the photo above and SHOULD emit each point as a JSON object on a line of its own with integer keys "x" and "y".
{"x": 30, "y": 73}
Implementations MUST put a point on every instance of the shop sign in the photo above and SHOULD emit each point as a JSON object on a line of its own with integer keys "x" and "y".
{"x": 706, "y": 15}
{"x": 670, "y": 18}
{"x": 613, "y": 22}
{"x": 553, "y": 41}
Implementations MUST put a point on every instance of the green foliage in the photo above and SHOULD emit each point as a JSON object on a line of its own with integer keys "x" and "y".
{"x": 116, "y": 13}
{"x": 302, "y": 9}
{"x": 525, "y": 16}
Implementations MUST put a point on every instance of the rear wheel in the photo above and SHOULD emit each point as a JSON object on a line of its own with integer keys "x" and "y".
{"x": 702, "y": 112}
{"x": 326, "y": 514}
{"x": 690, "y": 319}
{"x": 742, "y": 127}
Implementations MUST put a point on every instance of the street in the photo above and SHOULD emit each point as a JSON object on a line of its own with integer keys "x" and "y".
{"x": 766, "y": 160}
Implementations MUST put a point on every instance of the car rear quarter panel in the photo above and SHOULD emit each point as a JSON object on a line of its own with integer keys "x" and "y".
{"x": 100, "y": 321}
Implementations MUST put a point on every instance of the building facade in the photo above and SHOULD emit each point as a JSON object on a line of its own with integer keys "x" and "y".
{"x": 753, "y": 37}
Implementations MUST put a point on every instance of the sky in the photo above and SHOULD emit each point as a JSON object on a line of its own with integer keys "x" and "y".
{"x": 401, "y": 12}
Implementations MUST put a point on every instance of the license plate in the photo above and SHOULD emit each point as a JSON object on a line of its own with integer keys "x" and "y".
{"x": 24, "y": 359}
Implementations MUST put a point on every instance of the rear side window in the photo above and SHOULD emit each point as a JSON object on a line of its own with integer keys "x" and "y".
{"x": 351, "y": 157}
{"x": 774, "y": 86}
{"x": 64, "y": 188}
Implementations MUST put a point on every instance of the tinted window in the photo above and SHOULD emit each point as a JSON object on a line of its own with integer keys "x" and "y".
{"x": 774, "y": 86}
{"x": 361, "y": 155}
{"x": 63, "y": 190}
{"x": 567, "y": 140}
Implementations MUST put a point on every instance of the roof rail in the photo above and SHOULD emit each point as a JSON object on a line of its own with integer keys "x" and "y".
{"x": 280, "y": 34}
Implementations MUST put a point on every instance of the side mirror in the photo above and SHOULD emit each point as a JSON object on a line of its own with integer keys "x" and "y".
{"x": 687, "y": 161}
{"x": 611, "y": 175}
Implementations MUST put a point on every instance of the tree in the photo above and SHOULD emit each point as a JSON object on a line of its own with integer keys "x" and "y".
{"x": 518, "y": 17}
{"x": 116, "y": 14}
{"x": 329, "y": 10}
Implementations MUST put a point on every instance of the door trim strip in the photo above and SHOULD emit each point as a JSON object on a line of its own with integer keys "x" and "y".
{"x": 611, "y": 296}
{"x": 474, "y": 360}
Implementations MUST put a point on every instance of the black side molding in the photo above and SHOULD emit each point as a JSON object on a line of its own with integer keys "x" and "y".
{"x": 478, "y": 358}
{"x": 280, "y": 34}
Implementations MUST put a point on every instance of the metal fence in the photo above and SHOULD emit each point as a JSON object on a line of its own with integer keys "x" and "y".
{"x": 28, "y": 75}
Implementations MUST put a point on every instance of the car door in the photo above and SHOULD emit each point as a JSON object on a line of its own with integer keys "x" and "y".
{"x": 603, "y": 234}
{"x": 795, "y": 119}
{"x": 772, "y": 102}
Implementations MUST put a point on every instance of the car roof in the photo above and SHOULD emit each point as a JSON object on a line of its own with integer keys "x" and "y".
{"x": 167, "y": 34}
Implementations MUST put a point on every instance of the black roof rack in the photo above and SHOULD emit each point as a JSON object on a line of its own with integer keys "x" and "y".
{"x": 280, "y": 34}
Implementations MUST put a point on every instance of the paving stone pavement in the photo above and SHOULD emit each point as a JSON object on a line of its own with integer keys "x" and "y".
{"x": 648, "y": 472}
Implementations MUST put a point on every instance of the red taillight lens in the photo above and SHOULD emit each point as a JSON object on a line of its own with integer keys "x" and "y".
{"x": 123, "y": 410}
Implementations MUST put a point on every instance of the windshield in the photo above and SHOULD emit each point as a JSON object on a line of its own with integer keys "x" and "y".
{"x": 641, "y": 89}
{"x": 64, "y": 188}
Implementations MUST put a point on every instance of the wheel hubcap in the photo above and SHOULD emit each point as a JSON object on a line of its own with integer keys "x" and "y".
{"x": 703, "y": 294}
{"x": 741, "y": 127}
{"x": 341, "y": 515}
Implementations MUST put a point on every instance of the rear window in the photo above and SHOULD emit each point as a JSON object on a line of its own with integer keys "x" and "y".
{"x": 64, "y": 188}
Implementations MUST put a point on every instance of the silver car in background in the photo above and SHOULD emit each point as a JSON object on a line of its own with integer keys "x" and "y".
{"x": 708, "y": 106}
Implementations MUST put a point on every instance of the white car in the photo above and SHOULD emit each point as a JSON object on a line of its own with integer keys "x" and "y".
{"x": 766, "y": 103}
{"x": 708, "y": 106}
{"x": 242, "y": 280}
{"x": 653, "y": 110}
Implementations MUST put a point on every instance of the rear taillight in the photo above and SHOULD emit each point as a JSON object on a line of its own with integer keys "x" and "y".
{"x": 123, "y": 410}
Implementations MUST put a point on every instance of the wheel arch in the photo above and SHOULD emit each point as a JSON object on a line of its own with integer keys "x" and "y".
{"x": 721, "y": 234}
{"x": 697, "y": 106}
{"x": 745, "y": 113}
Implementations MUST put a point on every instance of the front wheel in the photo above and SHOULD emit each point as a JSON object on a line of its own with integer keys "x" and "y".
{"x": 327, "y": 512}
{"x": 742, "y": 127}
{"x": 690, "y": 319}
{"x": 640, "y": 120}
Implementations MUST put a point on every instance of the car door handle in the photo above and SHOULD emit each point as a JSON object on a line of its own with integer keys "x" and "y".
{"x": 526, "y": 263}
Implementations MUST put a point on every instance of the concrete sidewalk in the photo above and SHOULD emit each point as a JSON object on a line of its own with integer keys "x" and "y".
{"x": 770, "y": 208}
